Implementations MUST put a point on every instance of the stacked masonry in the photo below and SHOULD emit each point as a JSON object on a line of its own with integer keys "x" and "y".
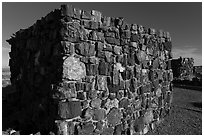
{"x": 183, "y": 68}
{"x": 79, "y": 72}
{"x": 197, "y": 71}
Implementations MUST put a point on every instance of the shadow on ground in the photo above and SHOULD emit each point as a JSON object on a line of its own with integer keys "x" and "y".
{"x": 197, "y": 104}
{"x": 197, "y": 88}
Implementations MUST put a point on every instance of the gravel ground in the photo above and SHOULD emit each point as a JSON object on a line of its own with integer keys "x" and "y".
{"x": 186, "y": 114}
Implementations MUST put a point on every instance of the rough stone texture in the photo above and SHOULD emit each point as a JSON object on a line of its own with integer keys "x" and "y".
{"x": 73, "y": 69}
{"x": 79, "y": 72}
{"x": 197, "y": 71}
{"x": 182, "y": 68}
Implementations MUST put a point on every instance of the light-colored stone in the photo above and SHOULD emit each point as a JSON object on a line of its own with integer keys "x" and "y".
{"x": 73, "y": 69}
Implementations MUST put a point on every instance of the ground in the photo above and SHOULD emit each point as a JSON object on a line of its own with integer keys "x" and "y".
{"x": 186, "y": 114}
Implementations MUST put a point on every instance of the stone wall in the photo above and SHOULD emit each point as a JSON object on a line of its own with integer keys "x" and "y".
{"x": 183, "y": 68}
{"x": 197, "y": 71}
{"x": 78, "y": 72}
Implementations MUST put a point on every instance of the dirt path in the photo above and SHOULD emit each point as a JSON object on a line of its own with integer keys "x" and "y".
{"x": 186, "y": 114}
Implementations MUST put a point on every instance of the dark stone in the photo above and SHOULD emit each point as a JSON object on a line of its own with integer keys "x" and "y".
{"x": 134, "y": 38}
{"x": 93, "y": 60}
{"x": 99, "y": 50}
{"x": 67, "y": 91}
{"x": 126, "y": 34}
{"x": 118, "y": 129}
{"x": 108, "y": 47}
{"x": 67, "y": 10}
{"x": 138, "y": 124}
{"x": 68, "y": 47}
{"x": 91, "y": 50}
{"x": 81, "y": 95}
{"x": 113, "y": 88}
{"x": 101, "y": 83}
{"x": 133, "y": 84}
{"x": 127, "y": 74}
{"x": 112, "y": 40}
{"x": 79, "y": 86}
{"x": 92, "y": 25}
{"x": 100, "y": 36}
{"x": 92, "y": 94}
{"x": 93, "y": 36}
{"x": 156, "y": 63}
{"x": 80, "y": 48}
{"x": 112, "y": 95}
{"x": 86, "y": 15}
{"x": 108, "y": 56}
{"x": 91, "y": 69}
{"x": 119, "y": 21}
{"x": 87, "y": 129}
{"x": 106, "y": 21}
{"x": 96, "y": 16}
{"x": 99, "y": 114}
{"x": 124, "y": 41}
{"x": 124, "y": 103}
{"x": 110, "y": 34}
{"x": 69, "y": 109}
{"x": 71, "y": 32}
{"x": 131, "y": 57}
{"x": 84, "y": 104}
{"x": 99, "y": 126}
{"x": 114, "y": 117}
{"x": 108, "y": 131}
{"x": 77, "y": 13}
{"x": 120, "y": 94}
{"x": 103, "y": 68}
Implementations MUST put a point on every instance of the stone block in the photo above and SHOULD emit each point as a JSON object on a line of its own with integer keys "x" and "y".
{"x": 124, "y": 103}
{"x": 108, "y": 131}
{"x": 101, "y": 83}
{"x": 126, "y": 34}
{"x": 117, "y": 50}
{"x": 103, "y": 68}
{"x": 111, "y": 104}
{"x": 112, "y": 40}
{"x": 73, "y": 69}
{"x": 138, "y": 124}
{"x": 93, "y": 36}
{"x": 99, "y": 114}
{"x": 87, "y": 129}
{"x": 148, "y": 117}
{"x": 86, "y": 15}
{"x": 96, "y": 16}
{"x": 106, "y": 21}
{"x": 118, "y": 129}
{"x": 109, "y": 34}
{"x": 96, "y": 103}
{"x": 92, "y": 25}
{"x": 114, "y": 117}
{"x": 67, "y": 10}
{"x": 91, "y": 69}
{"x": 68, "y": 47}
{"x": 134, "y": 37}
{"x": 70, "y": 32}
{"x": 70, "y": 109}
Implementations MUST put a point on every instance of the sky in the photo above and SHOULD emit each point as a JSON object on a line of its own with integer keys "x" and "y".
{"x": 182, "y": 19}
